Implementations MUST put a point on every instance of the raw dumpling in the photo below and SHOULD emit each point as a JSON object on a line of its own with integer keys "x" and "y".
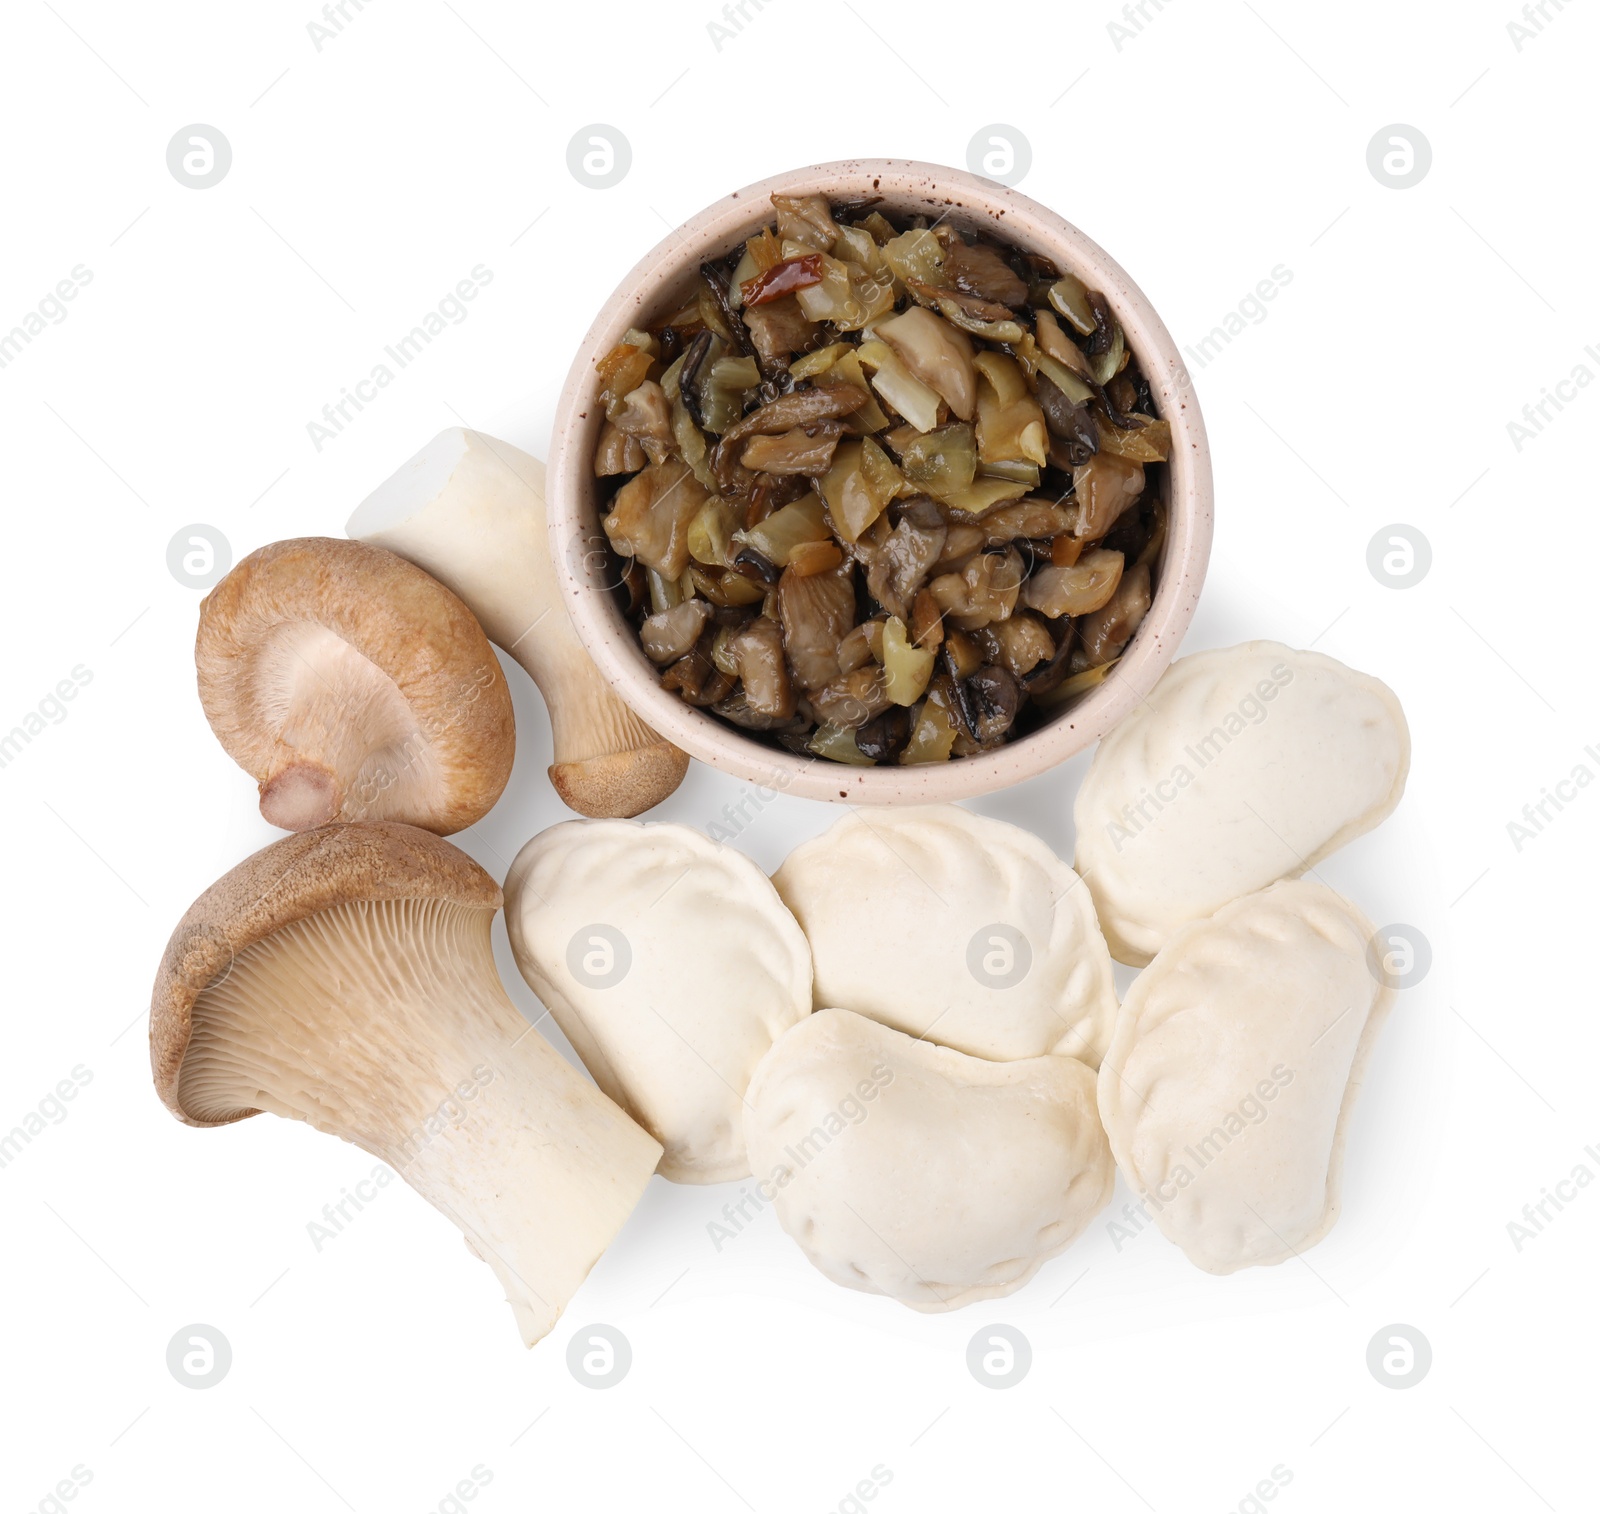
{"x": 911, "y": 1170}
{"x": 1237, "y": 1056}
{"x": 670, "y": 964}
{"x": 948, "y": 925}
{"x": 1244, "y": 766}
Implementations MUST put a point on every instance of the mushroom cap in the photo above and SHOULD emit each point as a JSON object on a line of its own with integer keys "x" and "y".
{"x": 417, "y": 722}
{"x": 282, "y": 883}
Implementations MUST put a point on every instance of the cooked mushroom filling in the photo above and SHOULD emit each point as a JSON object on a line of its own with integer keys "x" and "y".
{"x": 882, "y": 490}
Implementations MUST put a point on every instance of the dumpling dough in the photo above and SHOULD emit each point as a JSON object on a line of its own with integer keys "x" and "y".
{"x": 1244, "y": 766}
{"x": 1236, "y": 1059}
{"x": 670, "y": 964}
{"x": 952, "y": 926}
{"x": 911, "y": 1170}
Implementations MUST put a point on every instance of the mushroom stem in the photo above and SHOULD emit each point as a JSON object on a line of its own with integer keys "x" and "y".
{"x": 299, "y": 796}
{"x": 384, "y": 1022}
{"x": 469, "y": 509}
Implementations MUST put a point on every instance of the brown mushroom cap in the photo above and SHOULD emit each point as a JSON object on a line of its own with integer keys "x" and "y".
{"x": 282, "y": 883}
{"x": 353, "y": 686}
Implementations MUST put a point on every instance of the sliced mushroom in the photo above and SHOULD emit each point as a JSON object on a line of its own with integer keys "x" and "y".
{"x": 817, "y": 612}
{"x": 351, "y": 685}
{"x": 651, "y": 514}
{"x": 1032, "y": 519}
{"x": 1054, "y": 342}
{"x": 993, "y": 698}
{"x": 884, "y": 737}
{"x": 984, "y": 591}
{"x": 967, "y": 312}
{"x": 803, "y": 450}
{"x": 646, "y": 415}
{"x": 696, "y": 678}
{"x": 1071, "y": 425}
{"x": 804, "y": 407}
{"x": 1103, "y": 635}
{"x": 898, "y": 568}
{"x": 617, "y": 453}
{"x": 852, "y": 699}
{"x": 759, "y": 665}
{"x": 1018, "y": 645}
{"x": 1076, "y": 590}
{"x": 978, "y": 269}
{"x": 779, "y": 329}
{"x": 738, "y": 709}
{"x": 670, "y": 634}
{"x": 346, "y": 977}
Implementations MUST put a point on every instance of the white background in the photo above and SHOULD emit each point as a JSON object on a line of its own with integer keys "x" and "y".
{"x": 368, "y": 177}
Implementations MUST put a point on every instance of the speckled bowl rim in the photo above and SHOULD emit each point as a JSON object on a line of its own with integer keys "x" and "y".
{"x": 577, "y": 542}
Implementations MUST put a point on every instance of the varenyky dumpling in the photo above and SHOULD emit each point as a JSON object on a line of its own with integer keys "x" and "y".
{"x": 949, "y": 925}
{"x": 1244, "y": 765}
{"x": 911, "y": 1170}
{"x": 1237, "y": 1055}
{"x": 670, "y": 963}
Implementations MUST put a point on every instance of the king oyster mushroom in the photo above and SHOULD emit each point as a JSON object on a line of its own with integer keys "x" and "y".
{"x": 345, "y": 977}
{"x": 352, "y": 686}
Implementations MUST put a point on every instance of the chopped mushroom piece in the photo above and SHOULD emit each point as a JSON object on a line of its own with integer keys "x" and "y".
{"x": 986, "y": 590}
{"x": 780, "y": 328}
{"x": 976, "y": 268}
{"x": 617, "y": 453}
{"x": 1026, "y": 519}
{"x": 852, "y": 699}
{"x": 1018, "y": 645}
{"x": 671, "y": 634}
{"x": 1106, "y": 485}
{"x": 884, "y": 737}
{"x": 901, "y": 564}
{"x": 350, "y": 685}
{"x": 1076, "y": 590}
{"x": 651, "y": 515}
{"x": 346, "y": 977}
{"x": 757, "y": 653}
{"x": 804, "y": 407}
{"x": 918, "y": 457}
{"x": 817, "y": 612}
{"x": 807, "y": 450}
{"x": 646, "y": 415}
{"x": 993, "y": 699}
{"x": 1103, "y": 635}
{"x": 1072, "y": 425}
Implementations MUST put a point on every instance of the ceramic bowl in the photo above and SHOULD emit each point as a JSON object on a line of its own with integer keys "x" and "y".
{"x": 659, "y": 285}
